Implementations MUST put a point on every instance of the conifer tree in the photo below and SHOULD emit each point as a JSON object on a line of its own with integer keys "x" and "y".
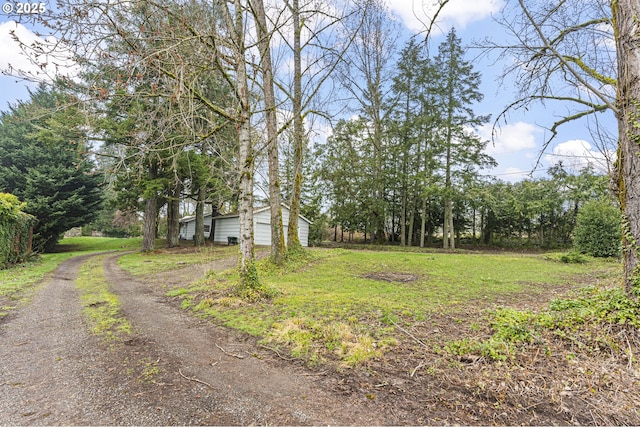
{"x": 44, "y": 161}
{"x": 462, "y": 149}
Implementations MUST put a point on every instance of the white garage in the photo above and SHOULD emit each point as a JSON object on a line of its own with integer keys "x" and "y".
{"x": 225, "y": 226}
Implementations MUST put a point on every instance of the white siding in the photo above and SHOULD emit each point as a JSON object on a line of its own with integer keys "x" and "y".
{"x": 303, "y": 232}
{"x": 188, "y": 228}
{"x": 226, "y": 227}
{"x": 262, "y": 227}
{"x": 230, "y": 227}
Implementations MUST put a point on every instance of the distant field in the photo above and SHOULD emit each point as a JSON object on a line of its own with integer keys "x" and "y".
{"x": 98, "y": 244}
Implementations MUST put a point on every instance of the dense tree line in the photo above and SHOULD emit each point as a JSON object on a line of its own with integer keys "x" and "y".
{"x": 529, "y": 213}
{"x": 396, "y": 174}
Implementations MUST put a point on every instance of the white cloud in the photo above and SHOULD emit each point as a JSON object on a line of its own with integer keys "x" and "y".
{"x": 14, "y": 61}
{"x": 416, "y": 13}
{"x": 576, "y": 154}
{"x": 510, "y": 138}
{"x": 11, "y": 55}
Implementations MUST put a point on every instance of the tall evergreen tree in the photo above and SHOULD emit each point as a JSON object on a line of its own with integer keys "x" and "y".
{"x": 44, "y": 161}
{"x": 366, "y": 75}
{"x": 462, "y": 148}
{"x": 413, "y": 123}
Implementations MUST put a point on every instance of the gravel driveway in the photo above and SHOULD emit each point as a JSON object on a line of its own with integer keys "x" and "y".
{"x": 173, "y": 369}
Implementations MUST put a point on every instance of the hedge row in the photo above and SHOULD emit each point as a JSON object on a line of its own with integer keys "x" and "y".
{"x": 16, "y": 231}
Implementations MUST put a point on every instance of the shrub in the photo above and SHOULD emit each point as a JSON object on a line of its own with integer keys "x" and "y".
{"x": 573, "y": 258}
{"x": 598, "y": 229}
{"x": 15, "y": 230}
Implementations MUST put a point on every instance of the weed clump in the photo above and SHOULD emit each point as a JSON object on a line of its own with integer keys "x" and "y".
{"x": 595, "y": 321}
{"x": 571, "y": 257}
{"x": 250, "y": 288}
{"x": 317, "y": 340}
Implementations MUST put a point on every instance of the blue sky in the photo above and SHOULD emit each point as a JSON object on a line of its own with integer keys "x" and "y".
{"x": 518, "y": 143}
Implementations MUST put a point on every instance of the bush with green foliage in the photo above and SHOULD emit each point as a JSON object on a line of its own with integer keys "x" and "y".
{"x": 15, "y": 230}
{"x": 598, "y": 229}
{"x": 573, "y": 258}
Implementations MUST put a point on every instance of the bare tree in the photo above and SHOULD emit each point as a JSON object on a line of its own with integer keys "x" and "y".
{"x": 298, "y": 130}
{"x": 315, "y": 46}
{"x": 266, "y": 68}
{"x": 366, "y": 74}
{"x": 235, "y": 24}
{"x": 586, "y": 53}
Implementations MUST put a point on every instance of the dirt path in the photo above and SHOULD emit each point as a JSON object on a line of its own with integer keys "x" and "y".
{"x": 51, "y": 368}
{"x": 174, "y": 369}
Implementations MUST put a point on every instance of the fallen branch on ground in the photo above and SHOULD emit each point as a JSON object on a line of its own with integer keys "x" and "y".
{"x": 409, "y": 334}
{"x": 277, "y": 353}
{"x": 239, "y": 356}
{"x": 195, "y": 380}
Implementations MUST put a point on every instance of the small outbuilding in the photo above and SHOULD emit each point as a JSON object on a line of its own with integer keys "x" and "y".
{"x": 226, "y": 228}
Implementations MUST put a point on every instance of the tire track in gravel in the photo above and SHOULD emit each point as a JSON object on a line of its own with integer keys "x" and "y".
{"x": 190, "y": 352}
{"x": 48, "y": 373}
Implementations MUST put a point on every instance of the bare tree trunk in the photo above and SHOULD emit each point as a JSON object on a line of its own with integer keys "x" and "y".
{"x": 445, "y": 226}
{"x": 403, "y": 212}
{"x": 173, "y": 217}
{"x": 412, "y": 219}
{"x": 150, "y": 215}
{"x": 473, "y": 225}
{"x": 298, "y": 131}
{"x": 447, "y": 229}
{"x": 248, "y": 275}
{"x": 449, "y": 236}
{"x": 212, "y": 228}
{"x": 423, "y": 224}
{"x": 627, "y": 35}
{"x": 245, "y": 199}
{"x": 264, "y": 38}
{"x": 150, "y": 219}
{"x": 392, "y": 237}
{"x": 198, "y": 240}
{"x": 379, "y": 210}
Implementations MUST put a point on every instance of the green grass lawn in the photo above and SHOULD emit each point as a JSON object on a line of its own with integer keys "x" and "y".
{"x": 363, "y": 294}
{"x": 101, "y": 306}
